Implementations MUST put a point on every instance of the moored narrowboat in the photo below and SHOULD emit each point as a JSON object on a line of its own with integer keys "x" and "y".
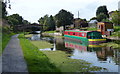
{"x": 87, "y": 37}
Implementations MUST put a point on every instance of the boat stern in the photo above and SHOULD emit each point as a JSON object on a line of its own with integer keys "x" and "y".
{"x": 96, "y": 41}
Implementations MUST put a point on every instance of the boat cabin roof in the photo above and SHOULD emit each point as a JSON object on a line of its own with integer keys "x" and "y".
{"x": 80, "y": 31}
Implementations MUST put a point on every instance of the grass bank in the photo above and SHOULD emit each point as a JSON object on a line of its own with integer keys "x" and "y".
{"x": 6, "y": 36}
{"x": 111, "y": 44}
{"x": 36, "y": 60}
{"x": 42, "y": 44}
{"x": 5, "y": 39}
{"x": 91, "y": 29}
{"x": 49, "y": 31}
{"x": 63, "y": 62}
{"x": 116, "y": 32}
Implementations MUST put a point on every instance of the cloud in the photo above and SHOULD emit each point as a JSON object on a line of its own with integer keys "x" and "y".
{"x": 32, "y": 10}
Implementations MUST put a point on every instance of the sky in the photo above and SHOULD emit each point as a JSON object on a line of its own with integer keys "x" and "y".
{"x": 32, "y": 10}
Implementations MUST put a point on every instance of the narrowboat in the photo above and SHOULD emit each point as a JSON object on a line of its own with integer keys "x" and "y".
{"x": 86, "y": 37}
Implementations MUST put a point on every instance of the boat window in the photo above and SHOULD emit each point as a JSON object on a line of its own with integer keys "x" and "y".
{"x": 73, "y": 33}
{"x": 68, "y": 32}
{"x": 82, "y": 34}
{"x": 94, "y": 35}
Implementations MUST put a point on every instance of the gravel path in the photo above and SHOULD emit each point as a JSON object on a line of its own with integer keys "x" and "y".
{"x": 12, "y": 58}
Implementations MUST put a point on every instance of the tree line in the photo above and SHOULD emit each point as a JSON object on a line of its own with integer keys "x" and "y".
{"x": 62, "y": 18}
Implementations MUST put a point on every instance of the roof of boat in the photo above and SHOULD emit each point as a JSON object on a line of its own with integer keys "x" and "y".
{"x": 79, "y": 31}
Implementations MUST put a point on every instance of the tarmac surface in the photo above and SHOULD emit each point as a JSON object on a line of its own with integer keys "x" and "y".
{"x": 12, "y": 57}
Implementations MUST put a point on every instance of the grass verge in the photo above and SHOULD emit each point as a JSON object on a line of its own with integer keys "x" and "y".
{"x": 42, "y": 44}
{"x": 49, "y": 31}
{"x": 36, "y": 60}
{"x": 63, "y": 62}
{"x": 5, "y": 39}
{"x": 111, "y": 44}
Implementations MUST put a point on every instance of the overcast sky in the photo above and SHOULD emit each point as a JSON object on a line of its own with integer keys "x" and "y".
{"x": 32, "y": 10}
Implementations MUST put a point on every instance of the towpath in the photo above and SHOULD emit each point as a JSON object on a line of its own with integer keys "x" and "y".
{"x": 12, "y": 58}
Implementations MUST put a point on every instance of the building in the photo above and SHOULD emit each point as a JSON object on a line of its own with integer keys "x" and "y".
{"x": 93, "y": 23}
{"x": 79, "y": 23}
{"x": 105, "y": 28}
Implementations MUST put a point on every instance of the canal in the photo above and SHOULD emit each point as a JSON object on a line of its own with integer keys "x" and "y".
{"x": 105, "y": 57}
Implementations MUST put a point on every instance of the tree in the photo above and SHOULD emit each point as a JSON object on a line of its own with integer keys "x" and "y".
{"x": 93, "y": 18}
{"x": 15, "y": 19}
{"x": 51, "y": 23}
{"x": 116, "y": 17}
{"x": 102, "y": 9}
{"x": 41, "y": 20}
{"x": 47, "y": 22}
{"x": 25, "y": 22}
{"x": 101, "y": 16}
{"x": 3, "y": 7}
{"x": 63, "y": 18}
{"x": 106, "y": 20}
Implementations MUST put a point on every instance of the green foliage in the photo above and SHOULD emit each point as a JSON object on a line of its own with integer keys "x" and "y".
{"x": 4, "y": 12}
{"x": 65, "y": 64}
{"x": 116, "y": 34}
{"x": 93, "y": 18}
{"x": 116, "y": 17}
{"x": 111, "y": 44}
{"x": 51, "y": 23}
{"x": 41, "y": 44}
{"x": 49, "y": 31}
{"x": 101, "y": 16}
{"x": 36, "y": 60}
{"x": 47, "y": 22}
{"x": 63, "y": 18}
{"x": 6, "y": 35}
{"x": 106, "y": 20}
{"x": 15, "y": 19}
{"x": 25, "y": 22}
{"x": 41, "y": 20}
{"x": 102, "y": 9}
{"x": 116, "y": 28}
{"x": 91, "y": 29}
{"x": 12, "y": 21}
{"x": 62, "y": 61}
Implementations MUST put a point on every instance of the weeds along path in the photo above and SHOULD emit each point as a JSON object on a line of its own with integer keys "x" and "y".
{"x": 12, "y": 57}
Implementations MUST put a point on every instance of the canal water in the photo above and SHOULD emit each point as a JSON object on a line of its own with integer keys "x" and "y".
{"x": 105, "y": 57}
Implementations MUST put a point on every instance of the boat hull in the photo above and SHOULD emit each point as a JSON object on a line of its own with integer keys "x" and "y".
{"x": 85, "y": 40}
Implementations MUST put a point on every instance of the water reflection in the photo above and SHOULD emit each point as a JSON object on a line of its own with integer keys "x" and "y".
{"x": 95, "y": 54}
{"x": 105, "y": 57}
{"x": 49, "y": 49}
{"x": 35, "y": 37}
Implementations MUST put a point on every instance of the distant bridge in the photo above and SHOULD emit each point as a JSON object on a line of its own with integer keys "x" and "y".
{"x": 29, "y": 27}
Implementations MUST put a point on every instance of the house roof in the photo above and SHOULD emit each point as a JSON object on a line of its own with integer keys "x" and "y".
{"x": 93, "y": 21}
